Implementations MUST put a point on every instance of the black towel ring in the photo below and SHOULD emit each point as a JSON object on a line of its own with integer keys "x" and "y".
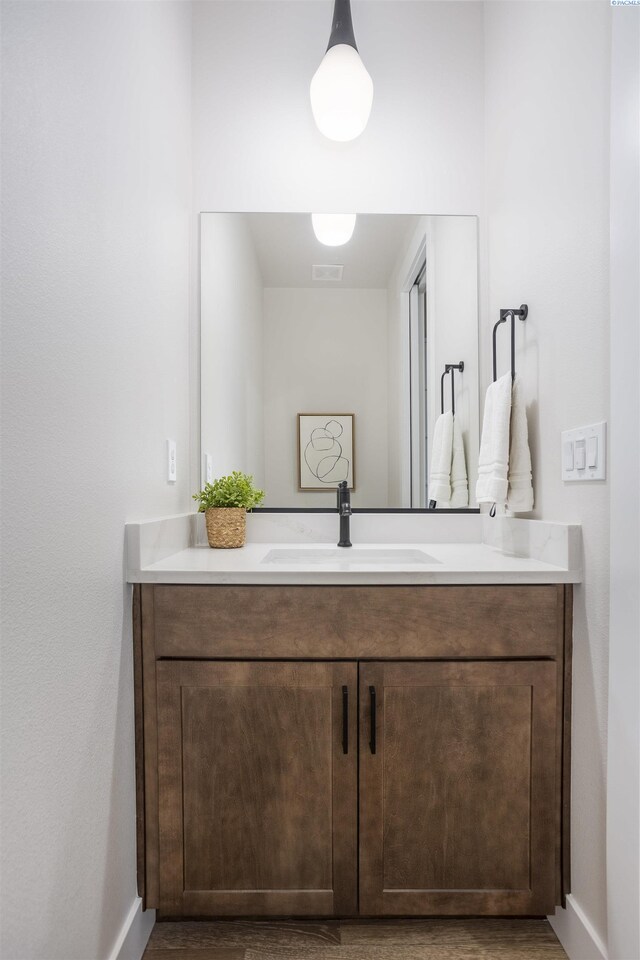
{"x": 522, "y": 314}
{"x": 449, "y": 368}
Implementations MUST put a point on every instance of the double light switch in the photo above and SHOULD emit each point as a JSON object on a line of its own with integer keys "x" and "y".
{"x": 584, "y": 453}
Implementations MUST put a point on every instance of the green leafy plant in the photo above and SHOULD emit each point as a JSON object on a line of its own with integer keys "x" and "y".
{"x": 236, "y": 490}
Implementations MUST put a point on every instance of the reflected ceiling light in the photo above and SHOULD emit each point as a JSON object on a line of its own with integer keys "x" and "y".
{"x": 333, "y": 229}
{"x": 341, "y": 89}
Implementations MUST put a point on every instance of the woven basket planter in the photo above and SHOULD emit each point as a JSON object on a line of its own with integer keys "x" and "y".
{"x": 226, "y": 526}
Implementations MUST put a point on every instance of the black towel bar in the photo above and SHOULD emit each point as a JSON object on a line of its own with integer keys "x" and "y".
{"x": 449, "y": 368}
{"x": 504, "y": 316}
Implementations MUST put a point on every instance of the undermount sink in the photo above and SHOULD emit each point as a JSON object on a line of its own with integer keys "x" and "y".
{"x": 376, "y": 556}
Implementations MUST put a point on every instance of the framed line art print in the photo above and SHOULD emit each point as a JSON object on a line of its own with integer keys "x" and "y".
{"x": 326, "y": 451}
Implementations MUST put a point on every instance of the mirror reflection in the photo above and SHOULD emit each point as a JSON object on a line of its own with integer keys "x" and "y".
{"x": 322, "y": 363}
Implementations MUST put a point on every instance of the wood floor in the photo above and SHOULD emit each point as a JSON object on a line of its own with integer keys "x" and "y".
{"x": 355, "y": 940}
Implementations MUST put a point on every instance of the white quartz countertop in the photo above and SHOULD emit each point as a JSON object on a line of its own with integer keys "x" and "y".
{"x": 500, "y": 551}
{"x": 453, "y": 563}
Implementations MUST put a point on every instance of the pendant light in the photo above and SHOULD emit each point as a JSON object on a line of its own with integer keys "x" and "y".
{"x": 333, "y": 229}
{"x": 341, "y": 89}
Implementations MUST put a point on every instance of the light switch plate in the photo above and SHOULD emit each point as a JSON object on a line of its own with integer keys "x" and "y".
{"x": 568, "y": 455}
{"x": 172, "y": 471}
{"x": 590, "y": 453}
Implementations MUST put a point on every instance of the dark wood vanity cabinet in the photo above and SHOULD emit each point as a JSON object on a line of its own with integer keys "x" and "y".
{"x": 345, "y": 751}
{"x": 257, "y": 796}
{"x": 457, "y": 803}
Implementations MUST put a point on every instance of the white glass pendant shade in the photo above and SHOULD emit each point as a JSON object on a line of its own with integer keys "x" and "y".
{"x": 333, "y": 229}
{"x": 341, "y": 94}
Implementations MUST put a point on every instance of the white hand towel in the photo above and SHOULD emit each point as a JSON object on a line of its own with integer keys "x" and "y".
{"x": 493, "y": 461}
{"x": 459, "y": 482}
{"x": 441, "y": 452}
{"x": 520, "y": 492}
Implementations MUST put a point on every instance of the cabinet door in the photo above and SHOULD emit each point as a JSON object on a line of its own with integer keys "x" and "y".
{"x": 457, "y": 804}
{"x": 257, "y": 788}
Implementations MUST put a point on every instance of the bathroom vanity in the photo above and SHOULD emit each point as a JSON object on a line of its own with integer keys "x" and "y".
{"x": 342, "y": 747}
{"x": 380, "y": 730}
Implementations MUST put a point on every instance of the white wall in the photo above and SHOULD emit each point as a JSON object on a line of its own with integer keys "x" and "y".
{"x": 623, "y": 787}
{"x": 255, "y": 143}
{"x": 96, "y": 184}
{"x": 231, "y": 347}
{"x": 325, "y": 352}
{"x": 547, "y": 135}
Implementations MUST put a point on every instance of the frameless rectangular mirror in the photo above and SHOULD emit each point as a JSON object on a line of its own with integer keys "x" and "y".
{"x": 327, "y": 363}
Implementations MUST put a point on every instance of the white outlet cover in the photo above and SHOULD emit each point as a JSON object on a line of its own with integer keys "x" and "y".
{"x": 586, "y": 438}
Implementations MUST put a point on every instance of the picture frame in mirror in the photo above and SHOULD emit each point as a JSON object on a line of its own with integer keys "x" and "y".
{"x": 326, "y": 451}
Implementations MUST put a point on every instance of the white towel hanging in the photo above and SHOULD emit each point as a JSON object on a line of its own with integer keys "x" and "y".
{"x": 441, "y": 453}
{"x": 493, "y": 461}
{"x": 520, "y": 491}
{"x": 459, "y": 480}
{"x": 504, "y": 464}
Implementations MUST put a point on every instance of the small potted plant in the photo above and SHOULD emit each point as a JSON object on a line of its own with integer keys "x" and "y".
{"x": 225, "y": 503}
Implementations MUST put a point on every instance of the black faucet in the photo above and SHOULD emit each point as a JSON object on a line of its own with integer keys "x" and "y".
{"x": 344, "y": 509}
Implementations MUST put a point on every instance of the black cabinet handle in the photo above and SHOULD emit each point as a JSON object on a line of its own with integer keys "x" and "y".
{"x": 372, "y": 707}
{"x": 345, "y": 720}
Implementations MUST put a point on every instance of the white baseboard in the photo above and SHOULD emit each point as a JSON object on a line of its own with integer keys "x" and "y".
{"x": 576, "y": 933}
{"x": 134, "y": 934}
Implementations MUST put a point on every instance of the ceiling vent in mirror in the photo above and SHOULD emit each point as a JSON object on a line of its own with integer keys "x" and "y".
{"x": 327, "y": 271}
{"x": 341, "y": 89}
